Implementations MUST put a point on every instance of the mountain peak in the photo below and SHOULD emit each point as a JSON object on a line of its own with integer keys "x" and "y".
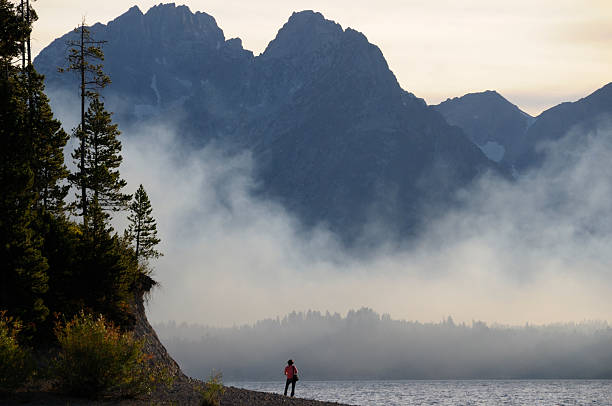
{"x": 165, "y": 6}
{"x": 486, "y": 94}
{"x": 488, "y": 119}
{"x": 129, "y": 17}
{"x": 483, "y": 101}
{"x": 492, "y": 93}
{"x": 304, "y": 32}
{"x": 134, "y": 10}
{"x": 308, "y": 17}
{"x": 174, "y": 23}
{"x": 171, "y": 9}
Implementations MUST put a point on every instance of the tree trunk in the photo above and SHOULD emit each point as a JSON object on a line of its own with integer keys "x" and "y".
{"x": 28, "y": 41}
{"x": 83, "y": 188}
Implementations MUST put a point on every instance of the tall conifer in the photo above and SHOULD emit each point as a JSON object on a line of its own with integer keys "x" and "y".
{"x": 84, "y": 58}
{"x": 49, "y": 140}
{"x": 142, "y": 231}
{"x": 100, "y": 174}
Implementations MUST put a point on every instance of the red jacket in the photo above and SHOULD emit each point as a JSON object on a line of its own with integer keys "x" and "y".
{"x": 290, "y": 370}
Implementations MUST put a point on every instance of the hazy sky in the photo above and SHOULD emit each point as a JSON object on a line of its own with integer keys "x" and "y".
{"x": 536, "y": 53}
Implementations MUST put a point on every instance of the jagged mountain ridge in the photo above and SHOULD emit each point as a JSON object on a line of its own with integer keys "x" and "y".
{"x": 487, "y": 118}
{"x": 334, "y": 136}
{"x": 583, "y": 115}
{"x": 156, "y": 60}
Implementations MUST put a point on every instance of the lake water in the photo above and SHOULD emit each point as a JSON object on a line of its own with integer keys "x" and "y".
{"x": 463, "y": 392}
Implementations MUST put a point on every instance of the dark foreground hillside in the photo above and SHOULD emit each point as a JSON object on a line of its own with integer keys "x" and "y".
{"x": 183, "y": 391}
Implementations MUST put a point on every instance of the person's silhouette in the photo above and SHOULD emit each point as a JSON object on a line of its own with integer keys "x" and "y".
{"x": 292, "y": 377}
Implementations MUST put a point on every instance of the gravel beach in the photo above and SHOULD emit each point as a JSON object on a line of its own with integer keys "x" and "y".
{"x": 184, "y": 392}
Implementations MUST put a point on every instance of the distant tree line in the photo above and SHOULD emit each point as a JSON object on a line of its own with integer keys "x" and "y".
{"x": 58, "y": 258}
{"x": 366, "y": 345}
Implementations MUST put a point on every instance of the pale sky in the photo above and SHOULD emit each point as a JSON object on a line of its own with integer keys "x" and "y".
{"x": 537, "y": 53}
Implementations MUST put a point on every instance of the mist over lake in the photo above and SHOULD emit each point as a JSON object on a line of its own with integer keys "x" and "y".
{"x": 366, "y": 345}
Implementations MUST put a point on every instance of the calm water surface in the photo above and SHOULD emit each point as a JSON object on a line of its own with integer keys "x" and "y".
{"x": 486, "y": 392}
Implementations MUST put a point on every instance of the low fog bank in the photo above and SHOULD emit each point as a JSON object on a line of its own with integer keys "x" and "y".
{"x": 535, "y": 250}
{"x": 365, "y": 345}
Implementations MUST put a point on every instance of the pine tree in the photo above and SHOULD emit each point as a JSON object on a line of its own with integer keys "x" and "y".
{"x": 14, "y": 29}
{"x": 23, "y": 277}
{"x": 142, "y": 231}
{"x": 103, "y": 276}
{"x": 99, "y": 175}
{"x": 49, "y": 140}
{"x": 84, "y": 58}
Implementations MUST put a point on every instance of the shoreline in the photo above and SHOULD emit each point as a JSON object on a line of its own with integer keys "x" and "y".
{"x": 183, "y": 392}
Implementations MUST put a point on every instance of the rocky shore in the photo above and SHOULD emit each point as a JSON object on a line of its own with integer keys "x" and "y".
{"x": 184, "y": 392}
{"x": 242, "y": 397}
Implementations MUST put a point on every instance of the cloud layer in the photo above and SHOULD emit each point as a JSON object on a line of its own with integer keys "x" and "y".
{"x": 536, "y": 250}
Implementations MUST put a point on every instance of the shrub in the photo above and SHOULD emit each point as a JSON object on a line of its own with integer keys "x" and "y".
{"x": 213, "y": 391}
{"x": 96, "y": 359}
{"x": 16, "y": 365}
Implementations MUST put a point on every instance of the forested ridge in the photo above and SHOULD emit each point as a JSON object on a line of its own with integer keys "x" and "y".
{"x": 331, "y": 346}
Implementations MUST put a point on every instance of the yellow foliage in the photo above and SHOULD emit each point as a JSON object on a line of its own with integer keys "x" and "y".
{"x": 16, "y": 366}
{"x": 97, "y": 358}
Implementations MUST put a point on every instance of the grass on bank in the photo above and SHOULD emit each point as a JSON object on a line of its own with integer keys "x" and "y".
{"x": 16, "y": 362}
{"x": 213, "y": 391}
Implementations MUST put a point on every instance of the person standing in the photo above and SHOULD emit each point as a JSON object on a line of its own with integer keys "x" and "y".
{"x": 291, "y": 373}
